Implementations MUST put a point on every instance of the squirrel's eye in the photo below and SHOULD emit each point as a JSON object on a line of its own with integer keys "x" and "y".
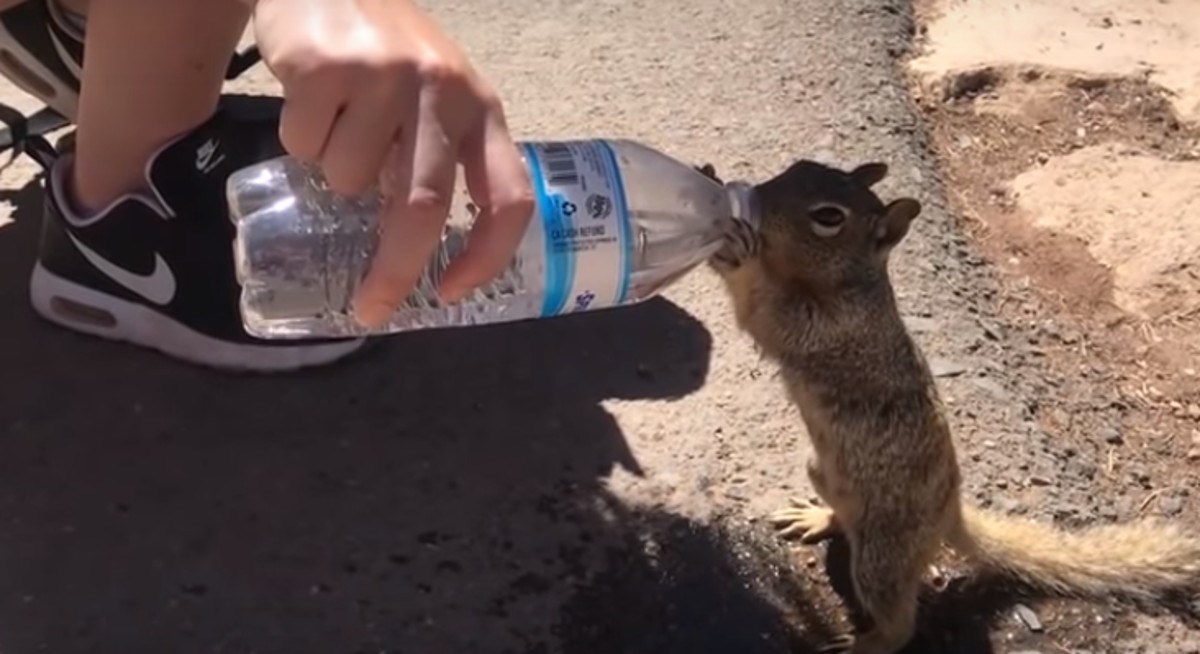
{"x": 827, "y": 220}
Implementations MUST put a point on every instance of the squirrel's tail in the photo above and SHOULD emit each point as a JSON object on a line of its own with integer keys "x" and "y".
{"x": 1146, "y": 560}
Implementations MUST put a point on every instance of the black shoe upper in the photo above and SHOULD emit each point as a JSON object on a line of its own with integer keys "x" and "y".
{"x": 184, "y": 219}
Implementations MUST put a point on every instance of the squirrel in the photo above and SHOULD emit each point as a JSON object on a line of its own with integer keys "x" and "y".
{"x": 810, "y": 285}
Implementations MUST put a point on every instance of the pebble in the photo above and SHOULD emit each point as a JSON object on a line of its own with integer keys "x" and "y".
{"x": 921, "y": 325}
{"x": 1007, "y": 505}
{"x": 1111, "y": 436}
{"x": 1194, "y": 454}
{"x": 991, "y": 330}
{"x": 1139, "y": 474}
{"x": 1038, "y": 480}
{"x": 946, "y": 368}
{"x": 1193, "y": 411}
{"x": 1028, "y": 618}
{"x": 992, "y": 387}
{"x": 1171, "y": 506}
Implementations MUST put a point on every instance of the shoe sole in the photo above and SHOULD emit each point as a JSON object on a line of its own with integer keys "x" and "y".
{"x": 28, "y": 74}
{"x": 81, "y": 309}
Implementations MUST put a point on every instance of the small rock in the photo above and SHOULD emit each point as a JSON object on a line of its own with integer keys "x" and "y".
{"x": 1194, "y": 454}
{"x": 921, "y": 325}
{"x": 1111, "y": 436}
{"x": 1193, "y": 411}
{"x": 946, "y": 368}
{"x": 1196, "y": 438}
{"x": 1171, "y": 506}
{"x": 1139, "y": 474}
{"x": 1026, "y": 651}
{"x": 1038, "y": 480}
{"x": 992, "y": 387}
{"x": 1007, "y": 505}
{"x": 1043, "y": 157}
{"x": 1028, "y": 618}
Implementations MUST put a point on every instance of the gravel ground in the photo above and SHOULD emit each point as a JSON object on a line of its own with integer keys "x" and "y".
{"x": 583, "y": 485}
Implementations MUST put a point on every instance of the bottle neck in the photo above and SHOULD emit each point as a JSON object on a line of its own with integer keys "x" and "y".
{"x": 744, "y": 203}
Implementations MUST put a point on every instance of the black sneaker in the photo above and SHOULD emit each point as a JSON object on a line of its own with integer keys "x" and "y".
{"x": 41, "y": 51}
{"x": 156, "y": 268}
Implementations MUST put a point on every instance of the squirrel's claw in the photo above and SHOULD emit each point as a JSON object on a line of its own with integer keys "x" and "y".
{"x": 837, "y": 644}
{"x": 741, "y": 243}
{"x": 709, "y": 171}
{"x": 813, "y": 522}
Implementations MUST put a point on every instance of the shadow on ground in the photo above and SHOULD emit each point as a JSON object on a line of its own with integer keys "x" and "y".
{"x": 442, "y": 493}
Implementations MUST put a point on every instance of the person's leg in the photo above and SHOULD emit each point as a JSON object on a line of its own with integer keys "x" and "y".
{"x": 149, "y": 89}
{"x": 136, "y": 241}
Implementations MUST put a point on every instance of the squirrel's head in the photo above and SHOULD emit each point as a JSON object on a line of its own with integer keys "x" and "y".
{"x": 825, "y": 226}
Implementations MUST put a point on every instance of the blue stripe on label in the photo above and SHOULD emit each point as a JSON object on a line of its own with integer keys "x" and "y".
{"x": 566, "y": 222}
{"x": 553, "y": 282}
{"x": 623, "y": 220}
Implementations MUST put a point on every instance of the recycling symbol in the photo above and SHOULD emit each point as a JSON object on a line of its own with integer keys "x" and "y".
{"x": 584, "y": 300}
{"x": 569, "y": 209}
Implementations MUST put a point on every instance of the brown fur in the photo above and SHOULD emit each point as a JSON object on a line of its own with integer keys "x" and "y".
{"x": 817, "y": 299}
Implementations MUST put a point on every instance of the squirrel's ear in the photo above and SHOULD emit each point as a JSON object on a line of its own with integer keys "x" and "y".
{"x": 870, "y": 174}
{"x": 897, "y": 216}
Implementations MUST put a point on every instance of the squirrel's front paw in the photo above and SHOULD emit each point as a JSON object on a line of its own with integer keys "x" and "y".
{"x": 741, "y": 243}
{"x": 839, "y": 644}
{"x": 709, "y": 171}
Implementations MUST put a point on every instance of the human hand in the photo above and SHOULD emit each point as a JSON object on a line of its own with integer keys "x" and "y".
{"x": 375, "y": 89}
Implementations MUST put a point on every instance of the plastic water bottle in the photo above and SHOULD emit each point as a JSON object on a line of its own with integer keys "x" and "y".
{"x": 615, "y": 223}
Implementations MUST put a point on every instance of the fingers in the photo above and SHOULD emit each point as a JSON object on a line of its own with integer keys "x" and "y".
{"x": 347, "y": 128}
{"x": 498, "y": 182}
{"x": 306, "y": 119}
{"x": 364, "y": 134}
{"x": 411, "y": 226}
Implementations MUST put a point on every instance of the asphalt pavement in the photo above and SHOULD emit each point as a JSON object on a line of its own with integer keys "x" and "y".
{"x": 537, "y": 487}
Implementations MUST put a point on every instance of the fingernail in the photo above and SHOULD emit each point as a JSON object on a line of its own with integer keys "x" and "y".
{"x": 370, "y": 314}
{"x": 451, "y": 294}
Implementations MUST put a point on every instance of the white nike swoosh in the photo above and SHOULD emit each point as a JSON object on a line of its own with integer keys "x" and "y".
{"x": 158, "y": 286}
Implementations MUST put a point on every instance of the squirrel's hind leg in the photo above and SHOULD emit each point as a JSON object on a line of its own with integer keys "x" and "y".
{"x": 887, "y": 572}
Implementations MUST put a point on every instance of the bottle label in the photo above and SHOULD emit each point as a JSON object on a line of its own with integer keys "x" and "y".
{"x": 587, "y": 232}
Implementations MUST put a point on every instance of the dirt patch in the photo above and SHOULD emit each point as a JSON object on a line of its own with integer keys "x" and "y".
{"x": 1140, "y": 221}
{"x": 1158, "y": 40}
{"x": 1086, "y": 187}
{"x": 1075, "y": 169}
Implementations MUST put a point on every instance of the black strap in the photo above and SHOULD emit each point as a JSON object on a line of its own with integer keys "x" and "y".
{"x": 242, "y": 61}
{"x": 26, "y": 134}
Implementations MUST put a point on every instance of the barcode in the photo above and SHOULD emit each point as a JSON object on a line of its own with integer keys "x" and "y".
{"x": 560, "y": 164}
